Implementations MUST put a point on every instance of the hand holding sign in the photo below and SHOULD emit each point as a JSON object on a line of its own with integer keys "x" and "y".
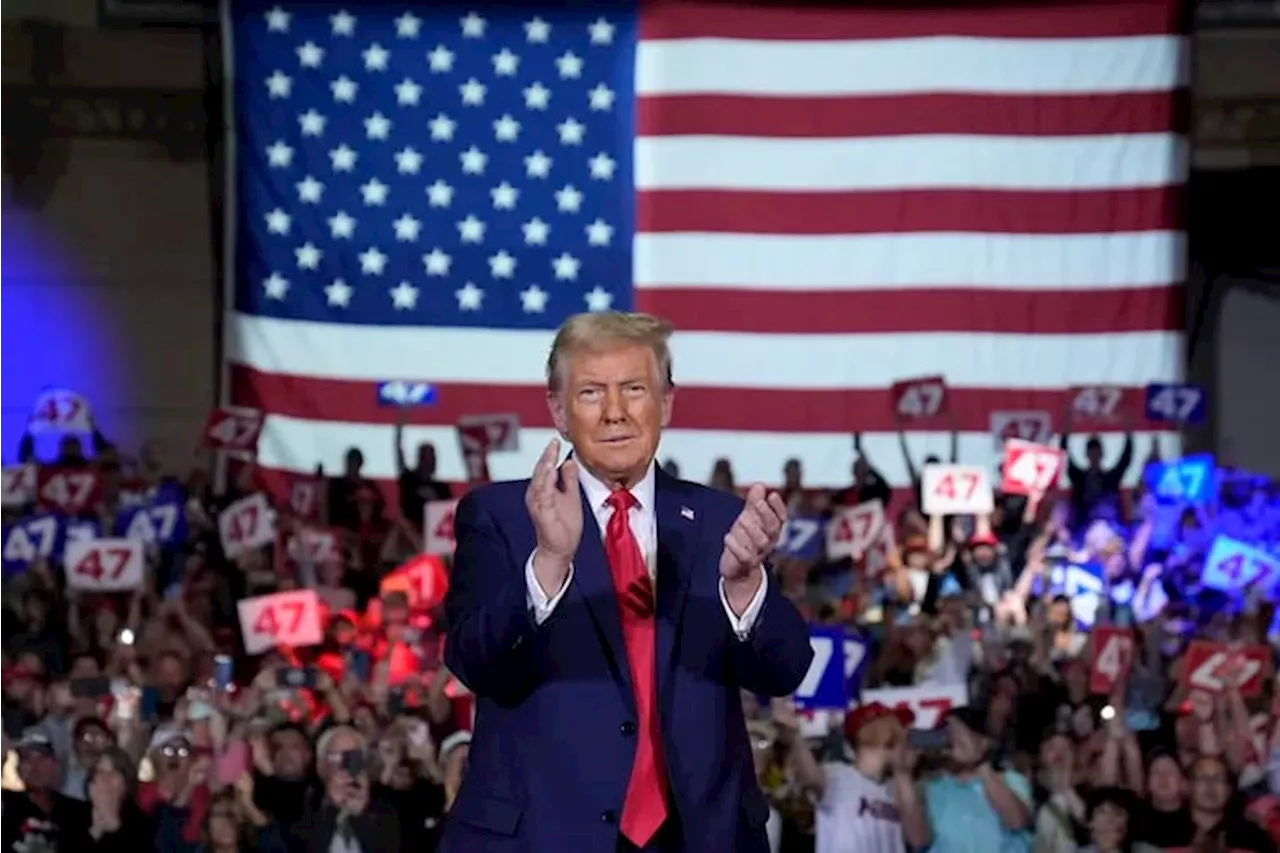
{"x": 247, "y": 524}
{"x": 104, "y": 565}
{"x": 956, "y": 490}
{"x": 919, "y": 398}
{"x": 289, "y": 619}
{"x": 480, "y": 435}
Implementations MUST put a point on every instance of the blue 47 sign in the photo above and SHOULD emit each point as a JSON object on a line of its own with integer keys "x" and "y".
{"x": 833, "y": 677}
{"x": 1171, "y": 403}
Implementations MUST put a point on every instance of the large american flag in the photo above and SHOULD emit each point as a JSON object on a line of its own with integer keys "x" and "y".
{"x": 823, "y": 199}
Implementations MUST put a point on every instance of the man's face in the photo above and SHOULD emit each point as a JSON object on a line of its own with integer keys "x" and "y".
{"x": 427, "y": 460}
{"x": 613, "y": 407}
{"x": 93, "y": 740}
{"x": 882, "y": 733}
{"x": 1093, "y": 452}
{"x": 38, "y": 769}
{"x": 1210, "y": 785}
{"x": 171, "y": 675}
{"x": 290, "y": 754}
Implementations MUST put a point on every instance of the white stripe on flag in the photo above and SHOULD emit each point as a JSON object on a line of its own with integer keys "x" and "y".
{"x": 930, "y": 162}
{"x": 1006, "y": 66}
{"x": 711, "y": 359}
{"x": 298, "y": 445}
{"x": 879, "y": 261}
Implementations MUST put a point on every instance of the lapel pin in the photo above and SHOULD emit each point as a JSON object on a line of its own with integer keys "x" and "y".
{"x": 686, "y": 513}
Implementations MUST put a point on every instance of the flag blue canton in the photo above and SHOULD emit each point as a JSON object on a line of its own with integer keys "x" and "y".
{"x": 433, "y": 167}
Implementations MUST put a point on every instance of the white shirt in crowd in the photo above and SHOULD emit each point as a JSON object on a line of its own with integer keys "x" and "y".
{"x": 644, "y": 525}
{"x": 856, "y": 814}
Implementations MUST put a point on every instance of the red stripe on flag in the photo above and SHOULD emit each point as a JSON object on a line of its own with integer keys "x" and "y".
{"x": 737, "y": 409}
{"x": 901, "y": 115}
{"x": 1032, "y": 312}
{"x": 685, "y": 19}
{"x": 950, "y": 211}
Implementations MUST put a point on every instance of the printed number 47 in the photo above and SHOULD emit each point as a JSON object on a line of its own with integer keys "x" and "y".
{"x": 947, "y": 486}
{"x": 271, "y": 624}
{"x": 1175, "y": 403}
{"x": 798, "y": 533}
{"x": 920, "y": 401}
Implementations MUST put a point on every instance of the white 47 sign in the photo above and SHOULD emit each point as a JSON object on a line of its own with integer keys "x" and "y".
{"x": 104, "y": 565}
{"x": 956, "y": 490}
{"x": 290, "y": 619}
{"x": 853, "y": 529}
{"x": 247, "y": 524}
{"x": 233, "y": 428}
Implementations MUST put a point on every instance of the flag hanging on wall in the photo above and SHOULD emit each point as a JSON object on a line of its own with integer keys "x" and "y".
{"x": 823, "y": 200}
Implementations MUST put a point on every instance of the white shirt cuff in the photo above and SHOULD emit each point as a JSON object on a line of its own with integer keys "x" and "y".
{"x": 743, "y": 624}
{"x": 541, "y": 605}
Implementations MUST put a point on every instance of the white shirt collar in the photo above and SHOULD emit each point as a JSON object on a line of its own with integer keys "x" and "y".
{"x": 598, "y": 493}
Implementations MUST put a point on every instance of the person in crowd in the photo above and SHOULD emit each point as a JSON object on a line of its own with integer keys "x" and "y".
{"x": 868, "y": 483}
{"x": 1093, "y": 487}
{"x": 418, "y": 486}
{"x": 116, "y": 823}
{"x": 872, "y": 804}
{"x": 234, "y": 824}
{"x": 38, "y": 817}
{"x": 350, "y": 813}
{"x": 91, "y": 737}
{"x": 610, "y": 393}
{"x": 971, "y": 804}
{"x": 1110, "y": 815}
{"x": 349, "y": 490}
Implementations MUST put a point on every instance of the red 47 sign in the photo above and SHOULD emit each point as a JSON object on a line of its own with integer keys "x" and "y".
{"x": 104, "y": 565}
{"x": 437, "y": 527}
{"x": 19, "y": 485}
{"x": 919, "y": 398}
{"x": 853, "y": 529}
{"x": 290, "y": 619}
{"x": 1213, "y": 667}
{"x": 423, "y": 579}
{"x": 233, "y": 428}
{"x": 67, "y": 491}
{"x": 1112, "y": 659}
{"x": 1030, "y": 469}
{"x": 956, "y": 490}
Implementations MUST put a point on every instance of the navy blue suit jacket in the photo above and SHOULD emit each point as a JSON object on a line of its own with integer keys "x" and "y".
{"x": 555, "y": 722}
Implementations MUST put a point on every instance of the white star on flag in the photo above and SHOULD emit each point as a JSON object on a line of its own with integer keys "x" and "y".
{"x": 469, "y": 297}
{"x": 533, "y": 299}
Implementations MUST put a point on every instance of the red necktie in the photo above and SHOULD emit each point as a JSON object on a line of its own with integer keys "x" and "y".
{"x": 645, "y": 806}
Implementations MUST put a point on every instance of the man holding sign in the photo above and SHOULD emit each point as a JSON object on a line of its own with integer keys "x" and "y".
{"x": 606, "y": 609}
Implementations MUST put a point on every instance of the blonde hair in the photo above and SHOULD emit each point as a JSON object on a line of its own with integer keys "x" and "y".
{"x": 601, "y": 330}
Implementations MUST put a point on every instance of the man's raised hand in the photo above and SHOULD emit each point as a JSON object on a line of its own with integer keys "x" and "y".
{"x": 557, "y": 516}
{"x": 754, "y": 534}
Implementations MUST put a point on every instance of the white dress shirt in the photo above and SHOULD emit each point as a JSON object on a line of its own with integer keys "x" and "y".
{"x": 644, "y": 525}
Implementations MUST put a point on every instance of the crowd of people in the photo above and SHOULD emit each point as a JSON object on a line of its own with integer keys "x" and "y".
{"x": 982, "y": 715}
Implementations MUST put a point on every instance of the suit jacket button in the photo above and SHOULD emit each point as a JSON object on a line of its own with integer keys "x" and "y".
{"x": 609, "y": 816}
{"x": 519, "y": 641}
{"x": 628, "y": 729}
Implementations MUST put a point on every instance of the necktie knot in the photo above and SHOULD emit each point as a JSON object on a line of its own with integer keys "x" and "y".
{"x": 622, "y": 501}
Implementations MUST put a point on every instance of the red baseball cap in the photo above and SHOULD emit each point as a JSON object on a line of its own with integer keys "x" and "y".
{"x": 872, "y": 711}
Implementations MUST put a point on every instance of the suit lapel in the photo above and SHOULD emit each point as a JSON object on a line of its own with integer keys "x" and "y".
{"x": 676, "y": 541}
{"x": 594, "y": 581}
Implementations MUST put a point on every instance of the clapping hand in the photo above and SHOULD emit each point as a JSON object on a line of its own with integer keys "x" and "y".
{"x": 556, "y": 512}
{"x": 753, "y": 535}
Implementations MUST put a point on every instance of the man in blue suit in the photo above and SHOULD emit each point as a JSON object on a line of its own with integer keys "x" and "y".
{"x": 607, "y": 616}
